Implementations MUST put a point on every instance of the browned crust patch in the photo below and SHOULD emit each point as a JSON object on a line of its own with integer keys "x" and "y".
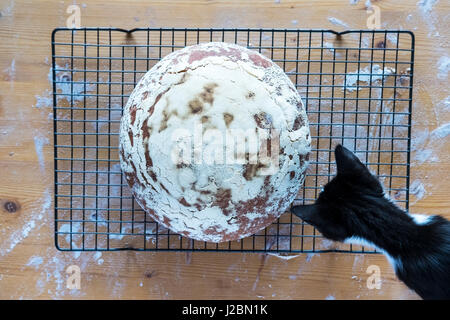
{"x": 195, "y": 105}
{"x": 223, "y": 200}
{"x": 263, "y": 120}
{"x": 228, "y": 118}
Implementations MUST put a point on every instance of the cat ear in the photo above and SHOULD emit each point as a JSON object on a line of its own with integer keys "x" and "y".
{"x": 306, "y": 212}
{"x": 347, "y": 162}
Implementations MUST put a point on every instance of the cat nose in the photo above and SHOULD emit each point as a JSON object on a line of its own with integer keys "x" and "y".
{"x": 297, "y": 210}
{"x": 307, "y": 213}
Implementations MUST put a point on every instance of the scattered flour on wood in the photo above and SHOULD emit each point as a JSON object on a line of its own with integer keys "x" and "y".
{"x": 39, "y": 143}
{"x": 329, "y": 46}
{"x": 66, "y": 88}
{"x": 421, "y": 146}
{"x": 53, "y": 265}
{"x": 442, "y": 131}
{"x": 427, "y": 145}
{"x": 419, "y": 139}
{"x": 19, "y": 235}
{"x": 326, "y": 244}
{"x": 71, "y": 233}
{"x": 443, "y": 66}
{"x": 357, "y": 262}
{"x": 11, "y": 71}
{"x": 330, "y": 297}
{"x": 309, "y": 256}
{"x": 97, "y": 255}
{"x": 417, "y": 189}
{"x": 54, "y": 274}
{"x": 426, "y": 6}
{"x": 447, "y": 102}
{"x": 429, "y": 17}
{"x": 392, "y": 38}
{"x": 367, "y": 76}
{"x": 337, "y": 22}
{"x": 35, "y": 262}
{"x": 70, "y": 90}
{"x": 43, "y": 101}
{"x": 8, "y": 11}
{"x": 283, "y": 256}
{"x": 428, "y": 155}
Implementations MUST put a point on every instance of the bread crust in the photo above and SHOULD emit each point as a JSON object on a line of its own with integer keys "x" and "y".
{"x": 214, "y": 87}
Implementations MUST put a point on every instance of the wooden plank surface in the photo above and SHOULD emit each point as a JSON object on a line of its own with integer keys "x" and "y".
{"x": 31, "y": 267}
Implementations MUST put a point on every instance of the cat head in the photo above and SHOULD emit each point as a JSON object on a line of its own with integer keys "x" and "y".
{"x": 344, "y": 207}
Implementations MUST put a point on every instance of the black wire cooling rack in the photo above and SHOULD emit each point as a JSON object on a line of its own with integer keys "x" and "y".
{"x": 356, "y": 85}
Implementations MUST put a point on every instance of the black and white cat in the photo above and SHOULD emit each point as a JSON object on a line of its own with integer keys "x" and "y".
{"x": 353, "y": 208}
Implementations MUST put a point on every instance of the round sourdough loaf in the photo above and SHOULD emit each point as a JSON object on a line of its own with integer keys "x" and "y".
{"x": 214, "y": 142}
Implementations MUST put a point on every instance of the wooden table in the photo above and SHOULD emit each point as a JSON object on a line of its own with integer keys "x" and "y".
{"x": 31, "y": 267}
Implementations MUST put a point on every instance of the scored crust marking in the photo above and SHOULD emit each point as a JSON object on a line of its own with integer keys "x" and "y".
{"x": 148, "y": 159}
{"x": 146, "y": 130}
{"x": 167, "y": 222}
{"x": 164, "y": 187}
{"x": 158, "y": 97}
{"x": 133, "y": 110}
{"x": 130, "y": 136}
{"x": 131, "y": 177}
{"x": 152, "y": 175}
{"x": 232, "y": 53}
{"x": 152, "y": 108}
{"x": 260, "y": 61}
{"x": 183, "y": 201}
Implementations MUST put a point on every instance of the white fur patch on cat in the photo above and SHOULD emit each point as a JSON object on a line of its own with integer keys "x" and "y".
{"x": 395, "y": 263}
{"x": 421, "y": 219}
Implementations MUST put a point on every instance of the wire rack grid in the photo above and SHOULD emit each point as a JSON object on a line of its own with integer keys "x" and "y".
{"x": 356, "y": 86}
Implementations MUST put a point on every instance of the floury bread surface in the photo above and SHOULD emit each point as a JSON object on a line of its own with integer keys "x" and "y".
{"x": 212, "y": 92}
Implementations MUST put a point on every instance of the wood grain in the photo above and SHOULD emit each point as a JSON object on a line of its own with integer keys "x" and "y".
{"x": 31, "y": 267}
